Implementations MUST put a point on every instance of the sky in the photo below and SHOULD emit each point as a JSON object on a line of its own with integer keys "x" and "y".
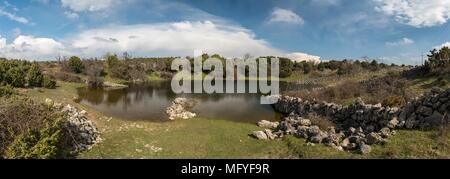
{"x": 393, "y": 31}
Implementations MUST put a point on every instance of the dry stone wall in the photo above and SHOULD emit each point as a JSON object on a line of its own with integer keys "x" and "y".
{"x": 358, "y": 125}
{"x": 427, "y": 111}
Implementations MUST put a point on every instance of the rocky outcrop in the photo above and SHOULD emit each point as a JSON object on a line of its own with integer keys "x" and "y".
{"x": 360, "y": 125}
{"x": 179, "y": 109}
{"x": 82, "y": 131}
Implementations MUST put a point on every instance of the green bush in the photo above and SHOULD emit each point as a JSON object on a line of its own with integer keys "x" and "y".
{"x": 15, "y": 77}
{"x": 112, "y": 60}
{"x": 31, "y": 130}
{"x": 37, "y": 144}
{"x": 76, "y": 65}
{"x": 286, "y": 67}
{"x": 6, "y": 91}
{"x": 35, "y": 77}
{"x": 48, "y": 83}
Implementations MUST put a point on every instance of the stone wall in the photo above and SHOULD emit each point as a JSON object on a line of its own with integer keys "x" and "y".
{"x": 426, "y": 111}
{"x": 358, "y": 125}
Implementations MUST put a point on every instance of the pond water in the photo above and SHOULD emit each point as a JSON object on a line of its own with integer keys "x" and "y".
{"x": 149, "y": 102}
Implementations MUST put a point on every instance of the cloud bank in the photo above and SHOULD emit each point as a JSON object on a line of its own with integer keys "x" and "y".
{"x": 416, "y": 13}
{"x": 30, "y": 47}
{"x": 161, "y": 39}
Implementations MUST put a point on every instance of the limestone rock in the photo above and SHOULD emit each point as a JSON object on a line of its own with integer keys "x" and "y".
{"x": 260, "y": 135}
{"x": 268, "y": 124}
{"x": 364, "y": 149}
{"x": 179, "y": 109}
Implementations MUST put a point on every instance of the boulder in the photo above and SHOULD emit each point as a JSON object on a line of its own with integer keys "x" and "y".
{"x": 304, "y": 122}
{"x": 268, "y": 124}
{"x": 425, "y": 111}
{"x": 385, "y": 132}
{"x": 314, "y": 130}
{"x": 269, "y": 134}
{"x": 260, "y": 135}
{"x": 318, "y": 138}
{"x": 393, "y": 123}
{"x": 302, "y": 132}
{"x": 345, "y": 143}
{"x": 374, "y": 138}
{"x": 436, "y": 119}
{"x": 364, "y": 149}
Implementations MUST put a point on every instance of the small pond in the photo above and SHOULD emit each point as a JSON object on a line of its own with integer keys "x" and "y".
{"x": 149, "y": 101}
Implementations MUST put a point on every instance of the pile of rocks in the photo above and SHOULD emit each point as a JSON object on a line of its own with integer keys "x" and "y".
{"x": 426, "y": 111}
{"x": 358, "y": 125}
{"x": 179, "y": 109}
{"x": 83, "y": 132}
{"x": 350, "y": 139}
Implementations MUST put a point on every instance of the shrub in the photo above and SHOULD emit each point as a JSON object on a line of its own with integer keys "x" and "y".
{"x": 35, "y": 77}
{"x": 286, "y": 67}
{"x": 15, "y": 77}
{"x": 30, "y": 130}
{"x": 48, "y": 83}
{"x": 348, "y": 68}
{"x": 76, "y": 65}
{"x": 112, "y": 60}
{"x": 6, "y": 91}
{"x": 37, "y": 144}
{"x": 307, "y": 67}
{"x": 394, "y": 101}
{"x": 67, "y": 77}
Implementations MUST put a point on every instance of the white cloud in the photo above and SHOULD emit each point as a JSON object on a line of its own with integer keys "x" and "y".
{"x": 326, "y": 2}
{"x": 446, "y": 44}
{"x": 2, "y": 42}
{"x": 401, "y": 42}
{"x": 179, "y": 39}
{"x": 31, "y": 48}
{"x": 88, "y": 5}
{"x": 417, "y": 13}
{"x": 71, "y": 15}
{"x": 13, "y": 17}
{"x": 285, "y": 16}
{"x": 161, "y": 39}
{"x": 301, "y": 57}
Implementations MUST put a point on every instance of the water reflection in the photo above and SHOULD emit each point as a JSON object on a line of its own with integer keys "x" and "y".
{"x": 149, "y": 101}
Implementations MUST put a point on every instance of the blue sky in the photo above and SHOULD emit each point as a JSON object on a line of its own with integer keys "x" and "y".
{"x": 390, "y": 30}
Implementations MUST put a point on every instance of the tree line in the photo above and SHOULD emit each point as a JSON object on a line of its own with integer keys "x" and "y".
{"x": 20, "y": 73}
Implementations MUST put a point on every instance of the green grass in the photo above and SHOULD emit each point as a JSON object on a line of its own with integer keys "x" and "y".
{"x": 195, "y": 138}
{"x": 155, "y": 77}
